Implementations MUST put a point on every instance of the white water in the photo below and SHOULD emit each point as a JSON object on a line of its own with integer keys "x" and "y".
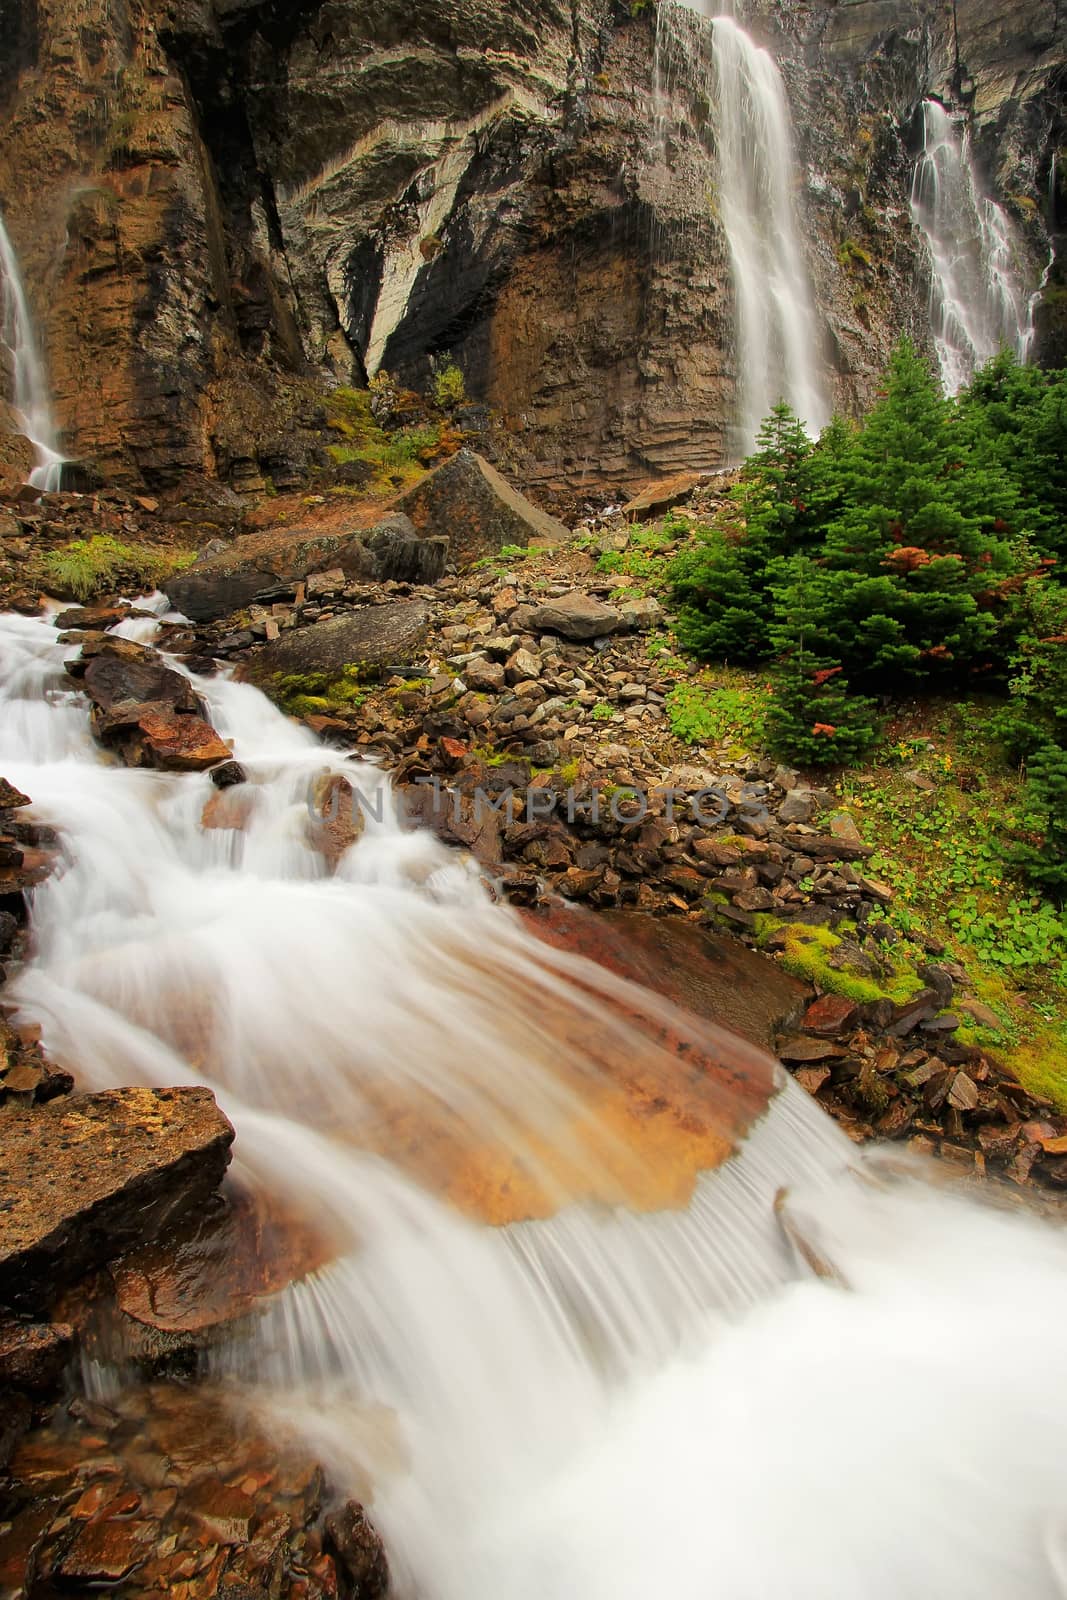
{"x": 30, "y": 392}
{"x": 776, "y": 344}
{"x": 980, "y": 302}
{"x": 604, "y": 1404}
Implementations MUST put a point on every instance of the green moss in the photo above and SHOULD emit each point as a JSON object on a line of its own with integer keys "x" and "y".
{"x": 806, "y": 956}
{"x": 322, "y": 693}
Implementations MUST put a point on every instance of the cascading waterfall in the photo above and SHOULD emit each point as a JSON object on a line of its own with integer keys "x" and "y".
{"x": 30, "y": 392}
{"x": 979, "y": 302}
{"x": 775, "y": 332}
{"x": 603, "y": 1404}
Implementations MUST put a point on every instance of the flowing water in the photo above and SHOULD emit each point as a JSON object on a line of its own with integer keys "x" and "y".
{"x": 776, "y": 344}
{"x": 980, "y": 302}
{"x": 30, "y": 393}
{"x": 550, "y": 1363}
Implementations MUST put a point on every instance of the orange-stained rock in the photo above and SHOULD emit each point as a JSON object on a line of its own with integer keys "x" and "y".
{"x": 218, "y": 1264}
{"x": 158, "y": 736}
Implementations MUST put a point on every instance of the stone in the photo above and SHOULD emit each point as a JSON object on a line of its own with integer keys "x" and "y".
{"x": 521, "y": 666}
{"x": 224, "y": 1512}
{"x": 830, "y": 1015}
{"x": 352, "y": 1538}
{"x": 216, "y": 585}
{"x": 641, "y": 614}
{"x": 117, "y": 671}
{"x": 466, "y": 502}
{"x": 374, "y": 636}
{"x": 81, "y": 1179}
{"x": 843, "y": 828}
{"x": 158, "y": 736}
{"x": 577, "y": 616}
{"x": 105, "y": 1552}
{"x": 801, "y": 1047}
{"x": 798, "y": 806}
{"x": 486, "y": 677}
{"x": 398, "y": 553}
{"x": 653, "y": 499}
{"x": 33, "y": 1355}
{"x": 12, "y": 799}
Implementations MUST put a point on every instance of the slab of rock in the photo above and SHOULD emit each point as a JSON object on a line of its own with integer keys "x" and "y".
{"x": 377, "y": 636}
{"x": 82, "y": 1179}
{"x": 12, "y": 799}
{"x": 116, "y": 670}
{"x": 574, "y": 616}
{"x": 230, "y": 579}
{"x": 658, "y": 496}
{"x": 467, "y": 502}
{"x": 830, "y": 1015}
{"x": 157, "y": 735}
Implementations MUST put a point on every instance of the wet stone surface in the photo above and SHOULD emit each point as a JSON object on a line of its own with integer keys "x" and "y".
{"x": 175, "y": 1490}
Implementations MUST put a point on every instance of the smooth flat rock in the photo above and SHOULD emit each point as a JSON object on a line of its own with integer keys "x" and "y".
{"x": 82, "y": 1179}
{"x": 715, "y": 978}
{"x": 467, "y": 502}
{"x": 371, "y": 635}
{"x": 574, "y": 616}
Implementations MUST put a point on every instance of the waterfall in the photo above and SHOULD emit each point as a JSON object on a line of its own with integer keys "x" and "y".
{"x": 979, "y": 301}
{"x": 607, "y": 1401}
{"x": 30, "y": 393}
{"x": 776, "y": 345}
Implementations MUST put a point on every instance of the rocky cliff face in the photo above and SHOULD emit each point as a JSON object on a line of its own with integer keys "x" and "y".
{"x": 223, "y": 206}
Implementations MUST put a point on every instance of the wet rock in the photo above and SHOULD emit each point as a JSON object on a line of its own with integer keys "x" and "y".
{"x": 12, "y": 799}
{"x": 82, "y": 1179}
{"x": 159, "y": 736}
{"x": 92, "y": 618}
{"x": 575, "y": 616}
{"x": 354, "y": 1541}
{"x": 114, "y": 671}
{"x": 378, "y": 636}
{"x": 105, "y": 1552}
{"x": 468, "y": 503}
{"x": 33, "y": 1354}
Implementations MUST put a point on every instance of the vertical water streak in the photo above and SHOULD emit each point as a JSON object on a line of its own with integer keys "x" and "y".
{"x": 30, "y": 392}
{"x": 776, "y": 343}
{"x": 979, "y": 302}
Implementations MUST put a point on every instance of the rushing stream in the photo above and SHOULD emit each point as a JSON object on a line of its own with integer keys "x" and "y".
{"x": 640, "y": 1392}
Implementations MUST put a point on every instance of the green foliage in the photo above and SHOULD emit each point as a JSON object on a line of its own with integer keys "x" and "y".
{"x": 699, "y": 715}
{"x": 602, "y": 712}
{"x": 393, "y": 457}
{"x": 101, "y": 564}
{"x": 449, "y": 385}
{"x": 807, "y": 952}
{"x": 813, "y": 717}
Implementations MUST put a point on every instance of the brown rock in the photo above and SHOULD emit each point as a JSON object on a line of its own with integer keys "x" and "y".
{"x": 82, "y": 1179}
{"x": 116, "y": 670}
{"x": 225, "y": 1513}
{"x": 353, "y": 1539}
{"x": 812, "y": 1078}
{"x": 830, "y": 1015}
{"x": 33, "y": 1354}
{"x": 106, "y": 1552}
{"x": 576, "y": 616}
{"x": 373, "y": 636}
{"x": 801, "y": 1047}
{"x": 12, "y": 799}
{"x": 467, "y": 502}
{"x": 156, "y": 735}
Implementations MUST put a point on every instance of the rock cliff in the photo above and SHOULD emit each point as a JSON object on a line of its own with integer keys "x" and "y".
{"x": 224, "y": 206}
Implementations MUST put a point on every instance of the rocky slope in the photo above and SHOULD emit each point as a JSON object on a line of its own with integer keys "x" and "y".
{"x": 221, "y": 208}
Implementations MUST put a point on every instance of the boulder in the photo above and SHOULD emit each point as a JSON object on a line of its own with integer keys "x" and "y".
{"x": 83, "y": 1179}
{"x": 467, "y": 502}
{"x": 156, "y": 735}
{"x": 230, "y": 579}
{"x": 377, "y": 636}
{"x": 33, "y": 1354}
{"x": 574, "y": 616}
{"x": 114, "y": 671}
{"x": 653, "y": 499}
{"x": 395, "y": 550}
